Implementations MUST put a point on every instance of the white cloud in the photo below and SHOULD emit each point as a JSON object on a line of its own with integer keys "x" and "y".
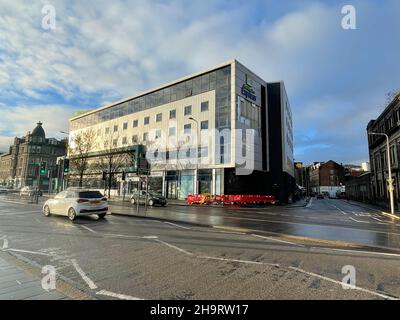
{"x": 16, "y": 122}
{"x": 115, "y": 49}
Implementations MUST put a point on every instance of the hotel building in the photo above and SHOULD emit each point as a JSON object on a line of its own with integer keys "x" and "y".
{"x": 220, "y": 131}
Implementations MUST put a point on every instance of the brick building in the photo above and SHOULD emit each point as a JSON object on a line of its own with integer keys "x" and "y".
{"x": 327, "y": 177}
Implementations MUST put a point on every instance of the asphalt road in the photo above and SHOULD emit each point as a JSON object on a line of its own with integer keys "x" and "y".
{"x": 328, "y": 219}
{"x": 134, "y": 258}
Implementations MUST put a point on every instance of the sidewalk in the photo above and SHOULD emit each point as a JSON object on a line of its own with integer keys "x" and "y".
{"x": 373, "y": 207}
{"x": 175, "y": 202}
{"x": 16, "y": 284}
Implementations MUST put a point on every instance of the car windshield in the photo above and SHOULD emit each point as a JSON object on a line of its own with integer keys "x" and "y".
{"x": 154, "y": 194}
{"x": 90, "y": 194}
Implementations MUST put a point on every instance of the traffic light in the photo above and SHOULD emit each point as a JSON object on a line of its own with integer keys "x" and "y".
{"x": 104, "y": 176}
{"x": 42, "y": 169}
{"x": 123, "y": 175}
{"x": 66, "y": 165}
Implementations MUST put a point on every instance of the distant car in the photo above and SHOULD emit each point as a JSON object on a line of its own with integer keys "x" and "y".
{"x": 3, "y": 190}
{"x": 29, "y": 191}
{"x": 77, "y": 202}
{"x": 152, "y": 198}
{"x": 320, "y": 196}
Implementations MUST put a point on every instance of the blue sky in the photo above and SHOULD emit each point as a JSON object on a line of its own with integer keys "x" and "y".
{"x": 101, "y": 51}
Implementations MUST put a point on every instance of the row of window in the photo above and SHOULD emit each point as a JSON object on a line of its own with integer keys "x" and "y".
{"x": 158, "y": 133}
{"x": 159, "y": 117}
{"x": 218, "y": 80}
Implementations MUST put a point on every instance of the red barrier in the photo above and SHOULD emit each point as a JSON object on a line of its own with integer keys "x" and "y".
{"x": 230, "y": 199}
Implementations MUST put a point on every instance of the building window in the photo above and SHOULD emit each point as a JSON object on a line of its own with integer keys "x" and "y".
{"x": 115, "y": 142}
{"x": 145, "y": 136}
{"x": 134, "y": 138}
{"x": 204, "y": 106}
{"x": 107, "y": 130}
{"x": 187, "y": 128}
{"x": 115, "y": 128}
{"x": 135, "y": 123}
{"x": 204, "y": 125}
{"x": 172, "y": 131}
{"x": 158, "y": 134}
{"x": 125, "y": 126}
{"x": 172, "y": 114}
{"x": 203, "y": 152}
{"x": 159, "y": 117}
{"x": 146, "y": 120}
{"x": 188, "y": 110}
{"x": 124, "y": 140}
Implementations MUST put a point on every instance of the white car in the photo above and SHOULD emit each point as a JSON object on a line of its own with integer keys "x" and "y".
{"x": 77, "y": 202}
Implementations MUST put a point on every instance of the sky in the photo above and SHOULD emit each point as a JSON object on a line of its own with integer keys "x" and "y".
{"x": 102, "y": 51}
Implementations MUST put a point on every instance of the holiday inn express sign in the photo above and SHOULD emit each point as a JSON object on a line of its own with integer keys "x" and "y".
{"x": 248, "y": 91}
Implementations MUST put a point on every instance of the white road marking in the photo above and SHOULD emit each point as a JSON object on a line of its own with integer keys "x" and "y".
{"x": 340, "y": 283}
{"x": 310, "y": 203}
{"x": 364, "y": 252}
{"x": 5, "y": 243}
{"x": 88, "y": 281}
{"x": 174, "y": 247}
{"x": 236, "y": 260}
{"x": 87, "y": 228}
{"x": 278, "y": 240}
{"x": 340, "y": 210}
{"x": 358, "y": 221}
{"x": 177, "y": 225}
{"x": 377, "y": 219}
{"x": 116, "y": 295}
{"x": 31, "y": 252}
{"x": 37, "y": 220}
{"x": 18, "y": 282}
{"x": 126, "y": 236}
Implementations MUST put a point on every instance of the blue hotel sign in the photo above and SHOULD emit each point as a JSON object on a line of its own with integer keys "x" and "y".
{"x": 248, "y": 91}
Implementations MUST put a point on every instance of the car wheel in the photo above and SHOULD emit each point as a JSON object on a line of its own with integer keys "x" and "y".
{"x": 101, "y": 216}
{"x": 151, "y": 203}
{"x": 71, "y": 214}
{"x": 46, "y": 211}
{"x": 133, "y": 201}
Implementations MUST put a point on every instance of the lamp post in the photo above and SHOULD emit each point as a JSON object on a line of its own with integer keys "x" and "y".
{"x": 197, "y": 152}
{"x": 390, "y": 180}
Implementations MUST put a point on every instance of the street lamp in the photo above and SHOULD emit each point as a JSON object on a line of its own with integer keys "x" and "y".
{"x": 197, "y": 153}
{"x": 390, "y": 180}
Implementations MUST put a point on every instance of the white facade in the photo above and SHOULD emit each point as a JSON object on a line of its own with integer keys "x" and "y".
{"x": 227, "y": 104}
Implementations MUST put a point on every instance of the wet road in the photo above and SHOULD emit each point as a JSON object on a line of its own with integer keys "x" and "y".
{"x": 328, "y": 219}
{"x": 127, "y": 258}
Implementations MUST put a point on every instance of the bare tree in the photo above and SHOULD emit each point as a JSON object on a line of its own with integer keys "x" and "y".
{"x": 114, "y": 158}
{"x": 79, "y": 148}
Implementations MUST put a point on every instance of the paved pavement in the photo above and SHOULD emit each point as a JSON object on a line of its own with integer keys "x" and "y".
{"x": 15, "y": 284}
{"x": 134, "y": 258}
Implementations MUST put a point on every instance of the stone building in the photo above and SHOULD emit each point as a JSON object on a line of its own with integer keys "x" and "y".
{"x": 20, "y": 166}
{"x": 387, "y": 123}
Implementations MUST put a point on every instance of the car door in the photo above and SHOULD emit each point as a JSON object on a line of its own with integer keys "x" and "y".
{"x": 58, "y": 203}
